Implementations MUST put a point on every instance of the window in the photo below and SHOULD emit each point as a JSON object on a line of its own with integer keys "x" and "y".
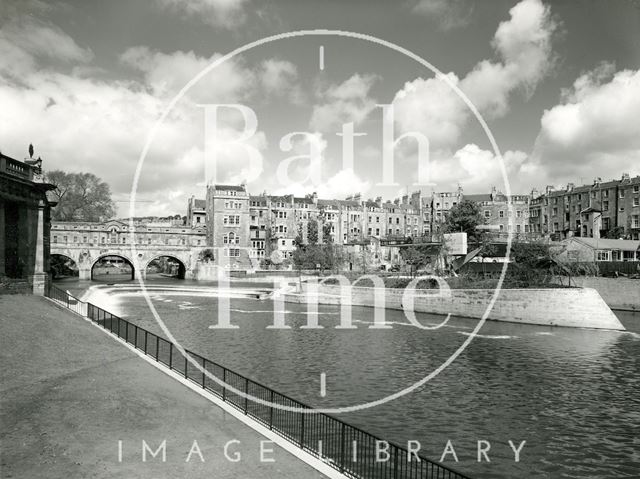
{"x": 605, "y": 206}
{"x": 501, "y": 214}
{"x": 636, "y": 201}
{"x": 636, "y": 188}
{"x": 197, "y": 219}
{"x": 635, "y": 221}
{"x": 603, "y": 255}
{"x": 487, "y": 213}
{"x": 621, "y": 193}
{"x": 554, "y": 212}
{"x": 75, "y": 239}
{"x": 518, "y": 214}
{"x": 55, "y": 239}
{"x": 501, "y": 227}
{"x": 234, "y": 252}
{"x": 518, "y": 228}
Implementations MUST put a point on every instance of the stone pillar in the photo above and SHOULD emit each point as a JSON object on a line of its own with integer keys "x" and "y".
{"x": 84, "y": 272}
{"x": 39, "y": 277}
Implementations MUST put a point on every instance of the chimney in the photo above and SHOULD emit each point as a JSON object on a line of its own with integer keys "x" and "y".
{"x": 626, "y": 177}
{"x": 549, "y": 189}
{"x": 535, "y": 193}
{"x": 315, "y": 198}
{"x": 570, "y": 186}
{"x": 379, "y": 201}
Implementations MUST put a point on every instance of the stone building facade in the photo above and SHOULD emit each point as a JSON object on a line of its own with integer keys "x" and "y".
{"x": 25, "y": 215}
{"x": 595, "y": 210}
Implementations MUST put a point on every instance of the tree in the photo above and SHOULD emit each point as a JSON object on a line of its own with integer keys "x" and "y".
{"x": 81, "y": 196}
{"x": 312, "y": 232}
{"x": 464, "y": 217}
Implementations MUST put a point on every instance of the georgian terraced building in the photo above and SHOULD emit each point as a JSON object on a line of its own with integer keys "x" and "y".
{"x": 596, "y": 210}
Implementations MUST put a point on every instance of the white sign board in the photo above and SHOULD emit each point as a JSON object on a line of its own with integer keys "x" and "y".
{"x": 456, "y": 243}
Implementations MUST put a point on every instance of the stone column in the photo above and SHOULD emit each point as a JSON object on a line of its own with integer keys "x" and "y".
{"x": 39, "y": 277}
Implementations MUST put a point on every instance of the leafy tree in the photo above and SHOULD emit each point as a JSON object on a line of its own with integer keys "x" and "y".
{"x": 81, "y": 196}
{"x": 464, "y": 217}
{"x": 206, "y": 255}
{"x": 312, "y": 232}
{"x": 326, "y": 233}
{"x": 417, "y": 256}
{"x": 614, "y": 233}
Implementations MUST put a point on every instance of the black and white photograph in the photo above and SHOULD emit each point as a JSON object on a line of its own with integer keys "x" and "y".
{"x": 300, "y": 239}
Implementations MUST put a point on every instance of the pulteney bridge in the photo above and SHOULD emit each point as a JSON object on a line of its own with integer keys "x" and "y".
{"x": 87, "y": 243}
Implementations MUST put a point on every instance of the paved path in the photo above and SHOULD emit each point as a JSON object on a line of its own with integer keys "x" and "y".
{"x": 69, "y": 393}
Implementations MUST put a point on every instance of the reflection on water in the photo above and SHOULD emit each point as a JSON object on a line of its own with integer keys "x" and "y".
{"x": 573, "y": 395}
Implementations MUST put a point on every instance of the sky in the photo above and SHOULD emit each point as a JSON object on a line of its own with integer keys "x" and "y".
{"x": 556, "y": 82}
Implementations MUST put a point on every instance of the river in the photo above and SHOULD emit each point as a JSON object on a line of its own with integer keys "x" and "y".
{"x": 573, "y": 395}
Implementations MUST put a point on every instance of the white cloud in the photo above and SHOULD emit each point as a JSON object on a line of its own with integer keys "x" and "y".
{"x": 523, "y": 45}
{"x": 78, "y": 122}
{"x": 477, "y": 170}
{"x": 279, "y": 78}
{"x": 344, "y": 103}
{"x": 431, "y": 108}
{"x": 344, "y": 183}
{"x": 596, "y": 125}
{"x": 166, "y": 74}
{"x": 448, "y": 14}
{"x": 217, "y": 13}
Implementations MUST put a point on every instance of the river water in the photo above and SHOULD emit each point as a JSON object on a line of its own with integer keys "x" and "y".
{"x": 573, "y": 395}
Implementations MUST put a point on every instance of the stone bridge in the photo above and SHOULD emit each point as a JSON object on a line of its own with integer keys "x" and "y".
{"x": 86, "y": 256}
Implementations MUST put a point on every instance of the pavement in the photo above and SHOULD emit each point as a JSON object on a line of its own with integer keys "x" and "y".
{"x": 69, "y": 393}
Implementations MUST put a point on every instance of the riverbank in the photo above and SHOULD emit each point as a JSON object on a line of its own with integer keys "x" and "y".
{"x": 69, "y": 394}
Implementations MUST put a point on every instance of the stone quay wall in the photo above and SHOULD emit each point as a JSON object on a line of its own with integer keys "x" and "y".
{"x": 618, "y": 293}
{"x": 570, "y": 307}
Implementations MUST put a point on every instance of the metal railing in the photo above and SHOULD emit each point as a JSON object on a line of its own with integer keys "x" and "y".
{"x": 347, "y": 448}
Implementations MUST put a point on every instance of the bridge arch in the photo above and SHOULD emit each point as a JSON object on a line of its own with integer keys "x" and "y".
{"x": 180, "y": 270}
{"x": 105, "y": 256}
{"x": 63, "y": 265}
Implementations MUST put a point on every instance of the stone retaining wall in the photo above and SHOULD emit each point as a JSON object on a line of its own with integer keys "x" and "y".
{"x": 571, "y": 307}
{"x": 618, "y": 293}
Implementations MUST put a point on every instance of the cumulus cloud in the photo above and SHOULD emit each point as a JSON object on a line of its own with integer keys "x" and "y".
{"x": 167, "y": 73}
{"x": 523, "y": 46}
{"x": 447, "y": 14}
{"x": 595, "y": 125}
{"x": 344, "y": 103}
{"x": 217, "y": 13}
{"x": 476, "y": 170}
{"x": 81, "y": 122}
{"x": 279, "y": 78}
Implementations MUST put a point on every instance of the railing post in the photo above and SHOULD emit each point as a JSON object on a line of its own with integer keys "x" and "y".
{"x": 246, "y": 393}
{"x": 170, "y": 355}
{"x": 302, "y": 430}
{"x": 126, "y": 332}
{"x": 186, "y": 364}
{"x": 224, "y": 380}
{"x": 271, "y": 412}
{"x": 145, "y": 341}
{"x": 342, "y": 438}
{"x": 395, "y": 463}
{"x": 204, "y": 368}
{"x": 157, "y": 348}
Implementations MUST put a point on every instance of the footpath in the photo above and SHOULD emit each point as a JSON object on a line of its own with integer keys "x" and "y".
{"x": 69, "y": 394}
